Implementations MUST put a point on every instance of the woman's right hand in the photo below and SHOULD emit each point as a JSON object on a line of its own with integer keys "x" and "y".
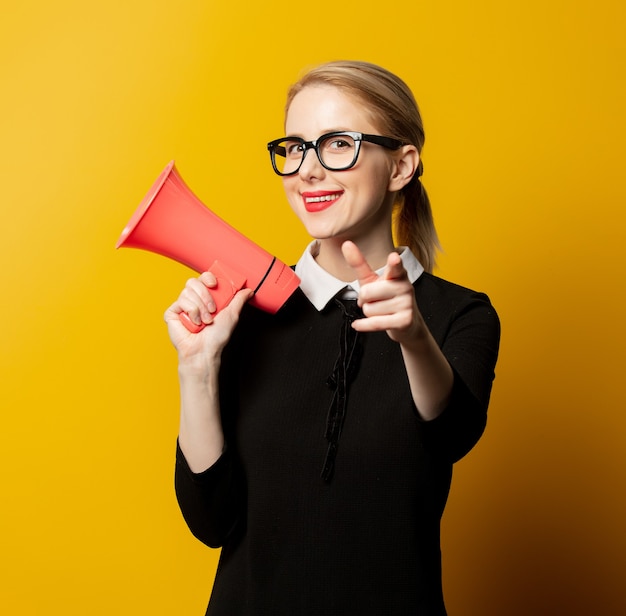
{"x": 196, "y": 300}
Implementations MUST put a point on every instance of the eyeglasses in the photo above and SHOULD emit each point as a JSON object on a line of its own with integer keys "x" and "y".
{"x": 336, "y": 151}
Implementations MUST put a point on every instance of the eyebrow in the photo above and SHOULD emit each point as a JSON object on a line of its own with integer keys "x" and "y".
{"x": 325, "y": 132}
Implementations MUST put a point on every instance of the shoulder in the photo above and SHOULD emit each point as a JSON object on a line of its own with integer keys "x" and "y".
{"x": 295, "y": 316}
{"x": 429, "y": 283}
{"x": 437, "y": 292}
{"x": 442, "y": 302}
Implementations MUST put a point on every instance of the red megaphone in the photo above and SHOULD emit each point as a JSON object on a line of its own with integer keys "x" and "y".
{"x": 173, "y": 222}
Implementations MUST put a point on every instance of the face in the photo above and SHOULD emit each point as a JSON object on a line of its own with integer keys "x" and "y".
{"x": 353, "y": 204}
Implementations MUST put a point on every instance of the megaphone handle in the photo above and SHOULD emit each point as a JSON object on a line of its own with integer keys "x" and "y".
{"x": 189, "y": 324}
{"x": 228, "y": 283}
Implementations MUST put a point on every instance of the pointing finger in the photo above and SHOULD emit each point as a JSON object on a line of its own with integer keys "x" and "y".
{"x": 355, "y": 259}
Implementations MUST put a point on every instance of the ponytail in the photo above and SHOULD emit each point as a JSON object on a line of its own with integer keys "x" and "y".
{"x": 413, "y": 222}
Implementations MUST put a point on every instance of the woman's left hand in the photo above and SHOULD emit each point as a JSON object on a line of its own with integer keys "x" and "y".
{"x": 387, "y": 301}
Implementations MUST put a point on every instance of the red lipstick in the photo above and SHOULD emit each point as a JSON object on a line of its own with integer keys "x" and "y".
{"x": 318, "y": 200}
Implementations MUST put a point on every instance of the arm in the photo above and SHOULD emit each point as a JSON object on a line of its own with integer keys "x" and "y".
{"x": 388, "y": 303}
{"x": 206, "y": 477}
{"x": 452, "y": 397}
{"x": 469, "y": 335}
{"x": 201, "y": 437}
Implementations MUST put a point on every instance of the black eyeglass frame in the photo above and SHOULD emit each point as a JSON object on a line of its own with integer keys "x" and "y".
{"x": 273, "y": 146}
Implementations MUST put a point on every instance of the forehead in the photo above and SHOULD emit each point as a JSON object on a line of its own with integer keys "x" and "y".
{"x": 317, "y": 109}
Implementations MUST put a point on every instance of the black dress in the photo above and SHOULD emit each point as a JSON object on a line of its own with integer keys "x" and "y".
{"x": 362, "y": 539}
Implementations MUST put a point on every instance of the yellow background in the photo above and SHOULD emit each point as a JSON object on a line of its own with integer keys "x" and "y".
{"x": 524, "y": 110}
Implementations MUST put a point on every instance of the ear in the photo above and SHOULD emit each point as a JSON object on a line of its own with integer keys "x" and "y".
{"x": 406, "y": 161}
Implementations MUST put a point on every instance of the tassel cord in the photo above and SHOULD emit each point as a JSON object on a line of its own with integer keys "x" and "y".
{"x": 344, "y": 369}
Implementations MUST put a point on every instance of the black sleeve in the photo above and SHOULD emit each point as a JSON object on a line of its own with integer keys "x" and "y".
{"x": 211, "y": 501}
{"x": 469, "y": 340}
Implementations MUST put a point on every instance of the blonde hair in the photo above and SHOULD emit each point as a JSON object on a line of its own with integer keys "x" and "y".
{"x": 395, "y": 113}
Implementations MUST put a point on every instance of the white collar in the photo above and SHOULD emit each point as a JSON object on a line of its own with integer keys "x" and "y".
{"x": 320, "y": 287}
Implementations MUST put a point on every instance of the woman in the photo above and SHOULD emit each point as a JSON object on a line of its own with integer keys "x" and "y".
{"x": 316, "y": 445}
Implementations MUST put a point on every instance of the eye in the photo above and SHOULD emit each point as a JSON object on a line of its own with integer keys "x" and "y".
{"x": 339, "y": 143}
{"x": 293, "y": 148}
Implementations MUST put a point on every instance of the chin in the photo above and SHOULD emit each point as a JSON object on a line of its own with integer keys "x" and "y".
{"x": 318, "y": 233}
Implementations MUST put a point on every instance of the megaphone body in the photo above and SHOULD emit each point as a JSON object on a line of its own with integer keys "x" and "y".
{"x": 173, "y": 222}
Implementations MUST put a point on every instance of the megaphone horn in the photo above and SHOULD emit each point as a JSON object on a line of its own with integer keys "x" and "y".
{"x": 173, "y": 222}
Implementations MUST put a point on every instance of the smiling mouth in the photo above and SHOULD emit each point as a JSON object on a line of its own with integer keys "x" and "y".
{"x": 318, "y": 202}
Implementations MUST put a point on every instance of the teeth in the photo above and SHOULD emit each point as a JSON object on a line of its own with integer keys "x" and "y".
{"x": 323, "y": 198}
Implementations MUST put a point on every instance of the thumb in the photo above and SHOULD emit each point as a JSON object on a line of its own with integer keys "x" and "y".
{"x": 240, "y": 298}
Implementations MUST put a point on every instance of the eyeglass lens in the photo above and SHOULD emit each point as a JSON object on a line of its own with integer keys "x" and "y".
{"x": 335, "y": 152}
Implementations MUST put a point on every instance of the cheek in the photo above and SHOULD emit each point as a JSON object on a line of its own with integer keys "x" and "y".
{"x": 377, "y": 173}
{"x": 291, "y": 193}
{"x": 376, "y": 185}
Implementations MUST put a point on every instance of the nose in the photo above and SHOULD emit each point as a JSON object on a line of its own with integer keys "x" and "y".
{"x": 311, "y": 168}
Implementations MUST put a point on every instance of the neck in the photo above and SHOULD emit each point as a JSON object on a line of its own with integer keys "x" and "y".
{"x": 332, "y": 260}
